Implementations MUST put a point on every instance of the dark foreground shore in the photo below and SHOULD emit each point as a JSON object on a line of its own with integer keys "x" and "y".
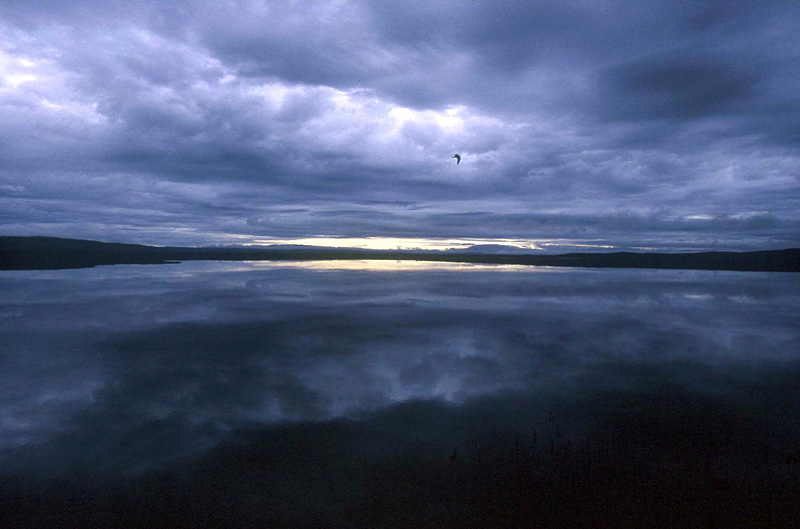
{"x": 46, "y": 253}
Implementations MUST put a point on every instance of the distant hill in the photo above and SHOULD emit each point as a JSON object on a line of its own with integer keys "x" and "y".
{"x": 493, "y": 249}
{"x": 48, "y": 253}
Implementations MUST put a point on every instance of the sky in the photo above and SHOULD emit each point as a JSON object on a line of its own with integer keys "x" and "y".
{"x": 667, "y": 125}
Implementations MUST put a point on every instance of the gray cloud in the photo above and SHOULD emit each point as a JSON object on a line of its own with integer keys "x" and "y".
{"x": 212, "y": 120}
{"x": 678, "y": 89}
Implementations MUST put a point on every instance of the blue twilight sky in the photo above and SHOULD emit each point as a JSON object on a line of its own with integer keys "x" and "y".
{"x": 662, "y": 124}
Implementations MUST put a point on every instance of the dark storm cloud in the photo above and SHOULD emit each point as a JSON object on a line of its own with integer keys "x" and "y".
{"x": 677, "y": 89}
{"x": 669, "y": 110}
{"x": 326, "y": 44}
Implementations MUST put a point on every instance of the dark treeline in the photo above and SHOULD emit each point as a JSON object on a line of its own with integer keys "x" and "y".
{"x": 47, "y": 253}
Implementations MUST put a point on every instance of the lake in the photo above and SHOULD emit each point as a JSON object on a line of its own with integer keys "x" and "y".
{"x": 398, "y": 394}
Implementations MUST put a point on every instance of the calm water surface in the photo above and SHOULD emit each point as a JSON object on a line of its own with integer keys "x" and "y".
{"x": 123, "y": 371}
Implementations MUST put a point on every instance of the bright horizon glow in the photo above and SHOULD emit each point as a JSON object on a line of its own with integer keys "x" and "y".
{"x": 397, "y": 243}
{"x": 404, "y": 243}
{"x": 371, "y": 265}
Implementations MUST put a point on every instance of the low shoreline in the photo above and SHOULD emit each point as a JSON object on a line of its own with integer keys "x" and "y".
{"x": 45, "y": 253}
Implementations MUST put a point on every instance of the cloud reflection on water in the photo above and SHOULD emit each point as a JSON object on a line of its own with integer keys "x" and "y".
{"x": 140, "y": 365}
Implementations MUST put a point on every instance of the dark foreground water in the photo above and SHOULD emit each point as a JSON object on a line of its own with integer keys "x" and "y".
{"x": 398, "y": 395}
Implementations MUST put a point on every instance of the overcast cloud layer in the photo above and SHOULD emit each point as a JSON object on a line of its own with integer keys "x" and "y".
{"x": 670, "y": 125}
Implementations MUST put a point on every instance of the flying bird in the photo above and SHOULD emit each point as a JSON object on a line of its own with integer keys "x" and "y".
{"x": 457, "y": 157}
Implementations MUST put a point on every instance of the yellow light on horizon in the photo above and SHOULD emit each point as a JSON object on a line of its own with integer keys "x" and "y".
{"x": 396, "y": 243}
{"x": 380, "y": 265}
